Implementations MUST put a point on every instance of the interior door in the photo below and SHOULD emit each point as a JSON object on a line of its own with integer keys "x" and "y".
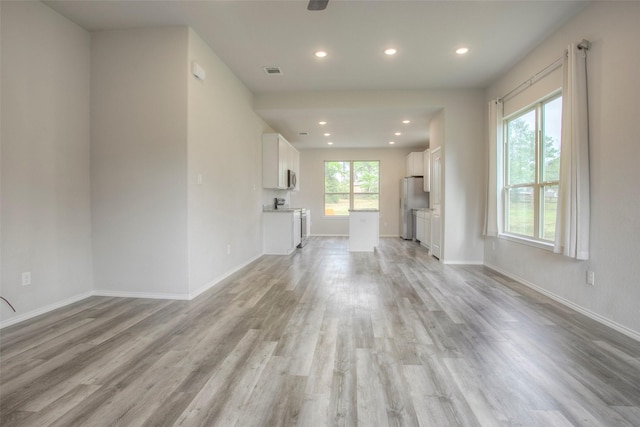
{"x": 436, "y": 203}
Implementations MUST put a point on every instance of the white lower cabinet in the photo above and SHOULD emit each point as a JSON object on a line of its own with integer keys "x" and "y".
{"x": 427, "y": 230}
{"x": 281, "y": 232}
{"x": 423, "y": 227}
{"x": 420, "y": 226}
{"x": 364, "y": 230}
{"x": 297, "y": 229}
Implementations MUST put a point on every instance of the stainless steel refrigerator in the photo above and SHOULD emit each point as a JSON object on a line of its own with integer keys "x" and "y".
{"x": 412, "y": 196}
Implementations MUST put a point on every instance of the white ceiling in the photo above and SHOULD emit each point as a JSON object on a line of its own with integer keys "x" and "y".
{"x": 249, "y": 35}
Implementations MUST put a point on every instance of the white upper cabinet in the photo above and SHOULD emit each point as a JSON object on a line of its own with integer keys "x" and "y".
{"x": 278, "y": 156}
{"x": 283, "y": 161}
{"x": 294, "y": 165}
{"x": 426, "y": 169}
{"x": 415, "y": 165}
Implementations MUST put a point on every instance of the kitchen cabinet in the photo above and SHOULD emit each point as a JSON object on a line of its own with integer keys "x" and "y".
{"x": 426, "y": 242}
{"x": 281, "y": 231}
{"x": 435, "y": 202}
{"x": 278, "y": 156}
{"x": 415, "y": 164}
{"x": 423, "y": 227}
{"x": 426, "y": 170}
{"x": 297, "y": 229}
{"x": 420, "y": 226}
{"x": 364, "y": 230}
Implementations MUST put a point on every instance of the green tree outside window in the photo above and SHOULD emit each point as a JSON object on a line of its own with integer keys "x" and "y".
{"x": 351, "y": 185}
{"x": 532, "y": 170}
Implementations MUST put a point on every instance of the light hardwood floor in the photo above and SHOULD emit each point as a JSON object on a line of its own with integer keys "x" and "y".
{"x": 324, "y": 337}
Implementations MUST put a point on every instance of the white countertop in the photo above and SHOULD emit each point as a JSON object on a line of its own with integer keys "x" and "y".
{"x": 282, "y": 210}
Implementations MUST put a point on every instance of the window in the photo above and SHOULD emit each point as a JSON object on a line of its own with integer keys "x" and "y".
{"x": 532, "y": 170}
{"x": 351, "y": 185}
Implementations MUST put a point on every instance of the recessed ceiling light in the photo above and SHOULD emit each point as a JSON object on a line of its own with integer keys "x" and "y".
{"x": 321, "y": 54}
{"x": 390, "y": 51}
{"x": 406, "y": 122}
{"x": 462, "y": 50}
{"x": 329, "y": 143}
{"x": 327, "y": 134}
{"x": 391, "y": 142}
{"x": 322, "y": 123}
{"x": 398, "y": 133}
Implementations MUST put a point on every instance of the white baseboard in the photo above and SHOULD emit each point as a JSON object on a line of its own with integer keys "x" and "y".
{"x": 121, "y": 294}
{"x": 150, "y": 295}
{"x": 42, "y": 310}
{"x": 217, "y": 280}
{"x": 593, "y": 315}
{"x": 463, "y": 262}
{"x": 346, "y": 235}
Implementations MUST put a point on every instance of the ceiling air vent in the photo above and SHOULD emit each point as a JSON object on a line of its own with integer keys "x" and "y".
{"x": 272, "y": 71}
{"x": 303, "y": 133}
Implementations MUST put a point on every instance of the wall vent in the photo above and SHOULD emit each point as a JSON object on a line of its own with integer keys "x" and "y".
{"x": 272, "y": 71}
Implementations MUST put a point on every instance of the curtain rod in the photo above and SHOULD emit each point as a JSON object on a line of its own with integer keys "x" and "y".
{"x": 537, "y": 76}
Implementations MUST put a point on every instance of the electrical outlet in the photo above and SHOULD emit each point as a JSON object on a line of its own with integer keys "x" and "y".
{"x": 228, "y": 249}
{"x": 591, "y": 278}
{"x": 26, "y": 278}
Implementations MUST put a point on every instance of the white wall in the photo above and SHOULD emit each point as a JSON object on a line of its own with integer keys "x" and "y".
{"x": 139, "y": 161}
{"x": 462, "y": 153}
{"x": 464, "y": 179}
{"x": 436, "y": 130}
{"x": 225, "y": 148}
{"x": 614, "y": 107}
{"x": 393, "y": 167}
{"x": 46, "y": 216}
{"x": 147, "y": 214}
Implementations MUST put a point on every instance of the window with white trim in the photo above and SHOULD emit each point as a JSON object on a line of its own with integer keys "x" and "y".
{"x": 532, "y": 170}
{"x": 351, "y": 184}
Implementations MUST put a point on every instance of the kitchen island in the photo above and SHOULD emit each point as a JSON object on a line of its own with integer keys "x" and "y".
{"x": 364, "y": 229}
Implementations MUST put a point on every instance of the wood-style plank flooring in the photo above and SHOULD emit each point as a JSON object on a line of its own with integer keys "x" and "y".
{"x": 324, "y": 337}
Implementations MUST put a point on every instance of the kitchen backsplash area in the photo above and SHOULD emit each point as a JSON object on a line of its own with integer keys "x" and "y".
{"x": 269, "y": 195}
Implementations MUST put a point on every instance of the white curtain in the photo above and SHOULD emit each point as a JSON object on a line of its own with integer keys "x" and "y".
{"x": 492, "y": 219}
{"x": 573, "y": 212}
